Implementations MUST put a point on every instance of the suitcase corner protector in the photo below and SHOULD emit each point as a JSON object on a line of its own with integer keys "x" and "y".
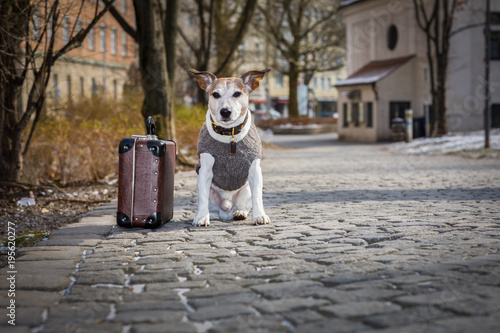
{"x": 123, "y": 220}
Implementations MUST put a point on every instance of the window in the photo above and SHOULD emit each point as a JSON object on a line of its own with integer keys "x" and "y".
{"x": 57, "y": 91}
{"x": 257, "y": 52}
{"x": 241, "y": 49}
{"x": 36, "y": 23}
{"x": 124, "y": 6}
{"x": 115, "y": 89}
{"x": 92, "y": 39}
{"x": 278, "y": 78}
{"x": 113, "y": 40}
{"x": 322, "y": 83}
{"x": 79, "y": 27}
{"x": 315, "y": 14}
{"x": 495, "y": 45}
{"x": 495, "y": 18}
{"x": 345, "y": 122}
{"x": 315, "y": 83}
{"x": 65, "y": 29}
{"x": 50, "y": 26}
{"x": 68, "y": 87}
{"x": 392, "y": 37}
{"x": 124, "y": 43}
{"x": 339, "y": 61}
{"x": 82, "y": 89}
{"x": 102, "y": 36}
{"x": 191, "y": 20}
{"x": 94, "y": 88}
{"x": 355, "y": 113}
{"x": 328, "y": 83}
{"x": 369, "y": 114}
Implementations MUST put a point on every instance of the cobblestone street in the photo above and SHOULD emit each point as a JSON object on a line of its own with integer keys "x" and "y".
{"x": 361, "y": 240}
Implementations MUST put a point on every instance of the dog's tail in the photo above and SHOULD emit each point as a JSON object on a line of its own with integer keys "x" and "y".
{"x": 226, "y": 205}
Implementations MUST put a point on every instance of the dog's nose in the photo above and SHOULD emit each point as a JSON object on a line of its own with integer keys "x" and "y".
{"x": 225, "y": 113}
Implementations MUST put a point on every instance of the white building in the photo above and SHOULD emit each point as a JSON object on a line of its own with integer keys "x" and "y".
{"x": 388, "y": 69}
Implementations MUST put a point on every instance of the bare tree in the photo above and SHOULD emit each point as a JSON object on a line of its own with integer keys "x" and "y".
{"x": 221, "y": 23}
{"x": 437, "y": 26}
{"x": 28, "y": 50}
{"x": 307, "y": 36}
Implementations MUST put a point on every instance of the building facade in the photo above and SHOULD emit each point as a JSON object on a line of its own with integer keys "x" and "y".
{"x": 388, "y": 71}
{"x": 100, "y": 65}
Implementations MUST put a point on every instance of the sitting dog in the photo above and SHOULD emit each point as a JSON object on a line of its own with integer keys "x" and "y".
{"x": 229, "y": 150}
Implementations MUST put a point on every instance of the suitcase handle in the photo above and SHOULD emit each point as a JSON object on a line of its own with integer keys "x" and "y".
{"x": 150, "y": 126}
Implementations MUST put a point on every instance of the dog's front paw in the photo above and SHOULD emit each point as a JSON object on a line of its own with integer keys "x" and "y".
{"x": 202, "y": 221}
{"x": 261, "y": 219}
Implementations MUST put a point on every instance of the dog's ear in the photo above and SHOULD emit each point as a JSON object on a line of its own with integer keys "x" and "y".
{"x": 251, "y": 79}
{"x": 205, "y": 79}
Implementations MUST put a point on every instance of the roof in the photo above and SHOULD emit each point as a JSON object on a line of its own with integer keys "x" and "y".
{"x": 347, "y": 3}
{"x": 373, "y": 72}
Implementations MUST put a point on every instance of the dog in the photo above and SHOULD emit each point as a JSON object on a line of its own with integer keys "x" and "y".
{"x": 229, "y": 150}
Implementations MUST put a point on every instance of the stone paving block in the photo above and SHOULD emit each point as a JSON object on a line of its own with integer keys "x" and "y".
{"x": 164, "y": 327}
{"x": 83, "y": 293}
{"x": 219, "y": 311}
{"x": 250, "y": 323}
{"x": 43, "y": 278}
{"x": 287, "y": 289}
{"x": 360, "y": 309}
{"x": 79, "y": 229}
{"x": 303, "y": 316}
{"x": 116, "y": 276}
{"x": 149, "y": 316}
{"x": 31, "y": 298}
{"x": 14, "y": 329}
{"x": 242, "y": 298}
{"x": 332, "y": 325}
{"x": 72, "y": 240}
{"x": 407, "y": 316}
{"x": 52, "y": 253}
{"x": 147, "y": 276}
{"x": 486, "y": 324}
{"x": 288, "y": 304}
{"x": 157, "y": 304}
{"x": 475, "y": 306}
{"x": 69, "y": 326}
{"x": 215, "y": 291}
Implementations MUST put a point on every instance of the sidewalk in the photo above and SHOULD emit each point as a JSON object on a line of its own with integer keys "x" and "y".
{"x": 361, "y": 240}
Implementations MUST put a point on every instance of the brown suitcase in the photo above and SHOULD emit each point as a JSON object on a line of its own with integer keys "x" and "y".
{"x": 145, "y": 180}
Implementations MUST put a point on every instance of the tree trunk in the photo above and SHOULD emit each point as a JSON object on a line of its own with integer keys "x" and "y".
{"x": 11, "y": 153}
{"x": 14, "y": 26}
{"x": 293, "y": 103}
{"x": 153, "y": 64}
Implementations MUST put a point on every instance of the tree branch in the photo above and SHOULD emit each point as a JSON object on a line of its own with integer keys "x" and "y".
{"x": 80, "y": 36}
{"x": 122, "y": 22}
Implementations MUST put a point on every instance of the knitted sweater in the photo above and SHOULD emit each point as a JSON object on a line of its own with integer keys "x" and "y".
{"x": 230, "y": 171}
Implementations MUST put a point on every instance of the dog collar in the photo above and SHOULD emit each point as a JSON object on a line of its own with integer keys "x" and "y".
{"x": 228, "y": 131}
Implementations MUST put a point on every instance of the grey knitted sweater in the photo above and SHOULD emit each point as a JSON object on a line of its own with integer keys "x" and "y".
{"x": 230, "y": 171}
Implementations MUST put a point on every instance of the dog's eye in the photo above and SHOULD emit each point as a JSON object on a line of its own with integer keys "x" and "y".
{"x": 237, "y": 94}
{"x": 216, "y": 95}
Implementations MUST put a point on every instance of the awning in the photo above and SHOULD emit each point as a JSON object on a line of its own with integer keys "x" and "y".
{"x": 258, "y": 101}
{"x": 373, "y": 72}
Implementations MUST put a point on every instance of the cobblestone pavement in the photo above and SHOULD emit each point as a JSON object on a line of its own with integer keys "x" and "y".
{"x": 361, "y": 240}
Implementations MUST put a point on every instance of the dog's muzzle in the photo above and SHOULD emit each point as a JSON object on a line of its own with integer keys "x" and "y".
{"x": 225, "y": 113}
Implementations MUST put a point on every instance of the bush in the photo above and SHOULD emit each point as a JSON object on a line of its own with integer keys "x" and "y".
{"x": 79, "y": 143}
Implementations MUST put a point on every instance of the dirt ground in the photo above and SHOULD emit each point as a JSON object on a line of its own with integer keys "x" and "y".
{"x": 53, "y": 207}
